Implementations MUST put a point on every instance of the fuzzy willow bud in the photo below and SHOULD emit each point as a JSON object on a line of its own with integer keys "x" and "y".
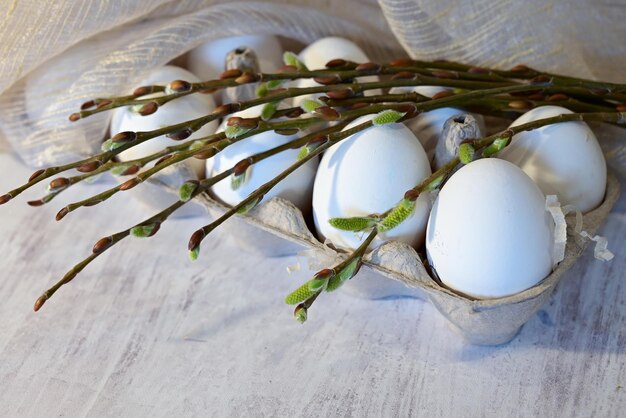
{"x": 249, "y": 206}
{"x": 269, "y": 109}
{"x": 235, "y": 131}
{"x": 398, "y": 215}
{"x": 466, "y": 153}
{"x": 240, "y": 174}
{"x": 300, "y": 313}
{"x": 320, "y": 281}
{"x": 309, "y": 105}
{"x": 186, "y": 191}
{"x": 145, "y": 231}
{"x": 289, "y": 58}
{"x": 387, "y": 116}
{"x": 344, "y": 275}
{"x": 301, "y": 294}
{"x": 354, "y": 224}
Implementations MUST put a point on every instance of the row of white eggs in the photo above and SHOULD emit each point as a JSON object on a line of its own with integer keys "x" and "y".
{"x": 486, "y": 235}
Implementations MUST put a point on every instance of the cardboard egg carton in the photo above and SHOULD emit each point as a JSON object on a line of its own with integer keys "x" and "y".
{"x": 277, "y": 228}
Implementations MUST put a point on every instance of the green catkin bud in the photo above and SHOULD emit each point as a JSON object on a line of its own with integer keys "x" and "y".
{"x": 308, "y": 148}
{"x": 334, "y": 284}
{"x": 193, "y": 254}
{"x": 195, "y": 145}
{"x": 466, "y": 153}
{"x": 289, "y": 58}
{"x": 272, "y": 84}
{"x": 300, "y": 294}
{"x": 309, "y": 105}
{"x": 235, "y": 131}
{"x": 118, "y": 170}
{"x": 344, "y": 275}
{"x": 300, "y": 314}
{"x": 262, "y": 90}
{"x": 434, "y": 184}
{"x": 236, "y": 181}
{"x": 317, "y": 284}
{"x": 386, "y": 117}
{"x": 186, "y": 190}
{"x": 352, "y": 224}
{"x": 269, "y": 109}
{"x": 247, "y": 208}
{"x": 143, "y": 231}
{"x": 398, "y": 215}
{"x": 303, "y": 153}
{"x": 106, "y": 145}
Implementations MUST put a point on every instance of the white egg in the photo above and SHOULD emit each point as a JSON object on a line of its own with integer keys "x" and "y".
{"x": 428, "y": 126}
{"x": 316, "y": 55}
{"x": 489, "y": 234}
{"x": 563, "y": 159}
{"x": 176, "y": 111}
{"x": 296, "y": 187}
{"x": 369, "y": 173}
{"x": 207, "y": 60}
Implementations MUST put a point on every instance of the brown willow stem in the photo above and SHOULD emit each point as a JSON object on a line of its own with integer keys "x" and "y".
{"x": 141, "y": 162}
{"x": 224, "y": 110}
{"x": 460, "y": 75}
{"x": 181, "y": 156}
{"x": 106, "y": 156}
{"x": 423, "y": 77}
{"x": 213, "y": 149}
{"x": 423, "y": 104}
{"x": 486, "y": 105}
{"x": 162, "y": 216}
{"x": 459, "y": 70}
{"x": 497, "y": 104}
{"x": 100, "y": 247}
{"x": 138, "y": 163}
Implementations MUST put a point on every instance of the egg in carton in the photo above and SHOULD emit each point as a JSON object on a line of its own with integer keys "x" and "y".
{"x": 277, "y": 227}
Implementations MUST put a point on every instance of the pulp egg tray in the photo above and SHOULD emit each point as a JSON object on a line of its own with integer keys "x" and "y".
{"x": 277, "y": 228}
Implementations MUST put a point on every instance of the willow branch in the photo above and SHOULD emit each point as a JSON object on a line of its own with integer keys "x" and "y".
{"x": 342, "y": 272}
{"x": 210, "y": 150}
{"x": 429, "y": 73}
{"x": 287, "y": 93}
{"x": 155, "y": 221}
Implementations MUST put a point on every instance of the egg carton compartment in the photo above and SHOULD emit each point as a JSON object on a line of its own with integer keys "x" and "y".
{"x": 277, "y": 228}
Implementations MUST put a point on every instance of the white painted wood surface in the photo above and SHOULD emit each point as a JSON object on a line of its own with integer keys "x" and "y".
{"x": 144, "y": 332}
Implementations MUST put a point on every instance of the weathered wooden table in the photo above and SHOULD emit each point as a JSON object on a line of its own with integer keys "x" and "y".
{"x": 144, "y": 332}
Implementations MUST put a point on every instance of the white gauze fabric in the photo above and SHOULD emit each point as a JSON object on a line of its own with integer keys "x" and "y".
{"x": 55, "y": 55}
